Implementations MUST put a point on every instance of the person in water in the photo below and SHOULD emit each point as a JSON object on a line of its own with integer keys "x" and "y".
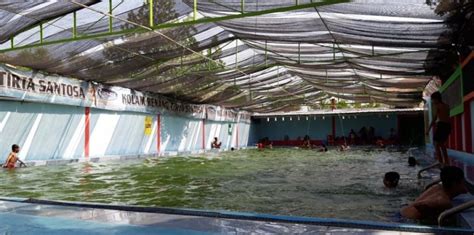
{"x": 443, "y": 127}
{"x": 323, "y": 148}
{"x": 12, "y": 158}
{"x": 412, "y": 161}
{"x": 436, "y": 199}
{"x": 216, "y": 144}
{"x": 344, "y": 147}
{"x": 390, "y": 180}
{"x": 306, "y": 144}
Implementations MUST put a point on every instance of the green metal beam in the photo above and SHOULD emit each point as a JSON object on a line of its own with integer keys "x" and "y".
{"x": 266, "y": 53}
{"x": 74, "y": 25}
{"x": 150, "y": 13}
{"x": 110, "y": 17}
{"x": 41, "y": 32}
{"x": 299, "y": 53}
{"x": 174, "y": 24}
{"x": 195, "y": 6}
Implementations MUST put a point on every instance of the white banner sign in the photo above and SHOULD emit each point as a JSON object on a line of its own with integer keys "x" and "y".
{"x": 36, "y": 87}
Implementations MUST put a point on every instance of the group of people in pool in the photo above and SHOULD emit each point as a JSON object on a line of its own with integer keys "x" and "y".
{"x": 427, "y": 206}
{"x": 307, "y": 145}
{"x": 437, "y": 198}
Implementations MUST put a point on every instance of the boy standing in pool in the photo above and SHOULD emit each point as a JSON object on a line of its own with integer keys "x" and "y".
{"x": 436, "y": 199}
{"x": 12, "y": 158}
{"x": 443, "y": 127}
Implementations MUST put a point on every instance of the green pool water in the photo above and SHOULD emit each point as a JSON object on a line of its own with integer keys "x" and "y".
{"x": 279, "y": 181}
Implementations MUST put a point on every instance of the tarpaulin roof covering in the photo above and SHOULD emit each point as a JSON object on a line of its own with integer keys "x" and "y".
{"x": 277, "y": 59}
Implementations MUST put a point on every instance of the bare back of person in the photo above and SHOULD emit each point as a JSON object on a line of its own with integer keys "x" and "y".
{"x": 11, "y": 160}
{"x": 442, "y": 111}
{"x": 428, "y": 205}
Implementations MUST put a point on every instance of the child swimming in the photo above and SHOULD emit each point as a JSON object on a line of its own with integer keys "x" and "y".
{"x": 12, "y": 158}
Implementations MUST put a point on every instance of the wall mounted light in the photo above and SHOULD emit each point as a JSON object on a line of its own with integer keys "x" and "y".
{"x": 268, "y": 119}
{"x": 291, "y": 119}
{"x": 276, "y": 119}
{"x": 283, "y": 118}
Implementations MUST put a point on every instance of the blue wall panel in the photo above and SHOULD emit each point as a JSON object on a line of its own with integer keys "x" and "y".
{"x": 47, "y": 131}
{"x": 319, "y": 128}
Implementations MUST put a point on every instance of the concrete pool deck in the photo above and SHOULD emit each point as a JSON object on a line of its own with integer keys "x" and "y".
{"x": 23, "y": 216}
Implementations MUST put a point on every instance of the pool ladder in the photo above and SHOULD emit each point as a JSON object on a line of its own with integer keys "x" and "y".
{"x": 428, "y": 168}
{"x": 454, "y": 210}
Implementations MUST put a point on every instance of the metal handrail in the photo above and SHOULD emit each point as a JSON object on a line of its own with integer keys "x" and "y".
{"x": 454, "y": 210}
{"x": 428, "y": 167}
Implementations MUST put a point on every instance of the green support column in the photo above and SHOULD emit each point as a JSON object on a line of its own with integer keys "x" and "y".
{"x": 250, "y": 90}
{"x": 236, "y": 58}
{"x": 333, "y": 51}
{"x": 266, "y": 53}
{"x": 209, "y": 54}
{"x": 236, "y": 52}
{"x": 150, "y": 13}
{"x": 74, "y": 25}
{"x": 195, "y": 6}
{"x": 12, "y": 43}
{"x": 299, "y": 53}
{"x": 110, "y": 17}
{"x": 242, "y": 6}
{"x": 41, "y": 32}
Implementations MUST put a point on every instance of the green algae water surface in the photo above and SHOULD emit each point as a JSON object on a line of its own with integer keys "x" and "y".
{"x": 280, "y": 181}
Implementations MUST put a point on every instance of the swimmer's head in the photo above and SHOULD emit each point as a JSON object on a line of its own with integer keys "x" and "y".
{"x": 232, "y": 149}
{"x": 453, "y": 180}
{"x": 15, "y": 148}
{"x": 411, "y": 161}
{"x": 391, "y": 179}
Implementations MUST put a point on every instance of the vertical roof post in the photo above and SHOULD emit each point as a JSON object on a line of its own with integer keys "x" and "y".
{"x": 195, "y": 10}
{"x": 150, "y": 13}
{"x": 41, "y": 32}
{"x": 299, "y": 52}
{"x": 110, "y": 16}
{"x": 333, "y": 51}
{"x": 74, "y": 25}
{"x": 266, "y": 53}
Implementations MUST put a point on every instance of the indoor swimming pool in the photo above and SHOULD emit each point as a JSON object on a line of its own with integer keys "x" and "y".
{"x": 346, "y": 185}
